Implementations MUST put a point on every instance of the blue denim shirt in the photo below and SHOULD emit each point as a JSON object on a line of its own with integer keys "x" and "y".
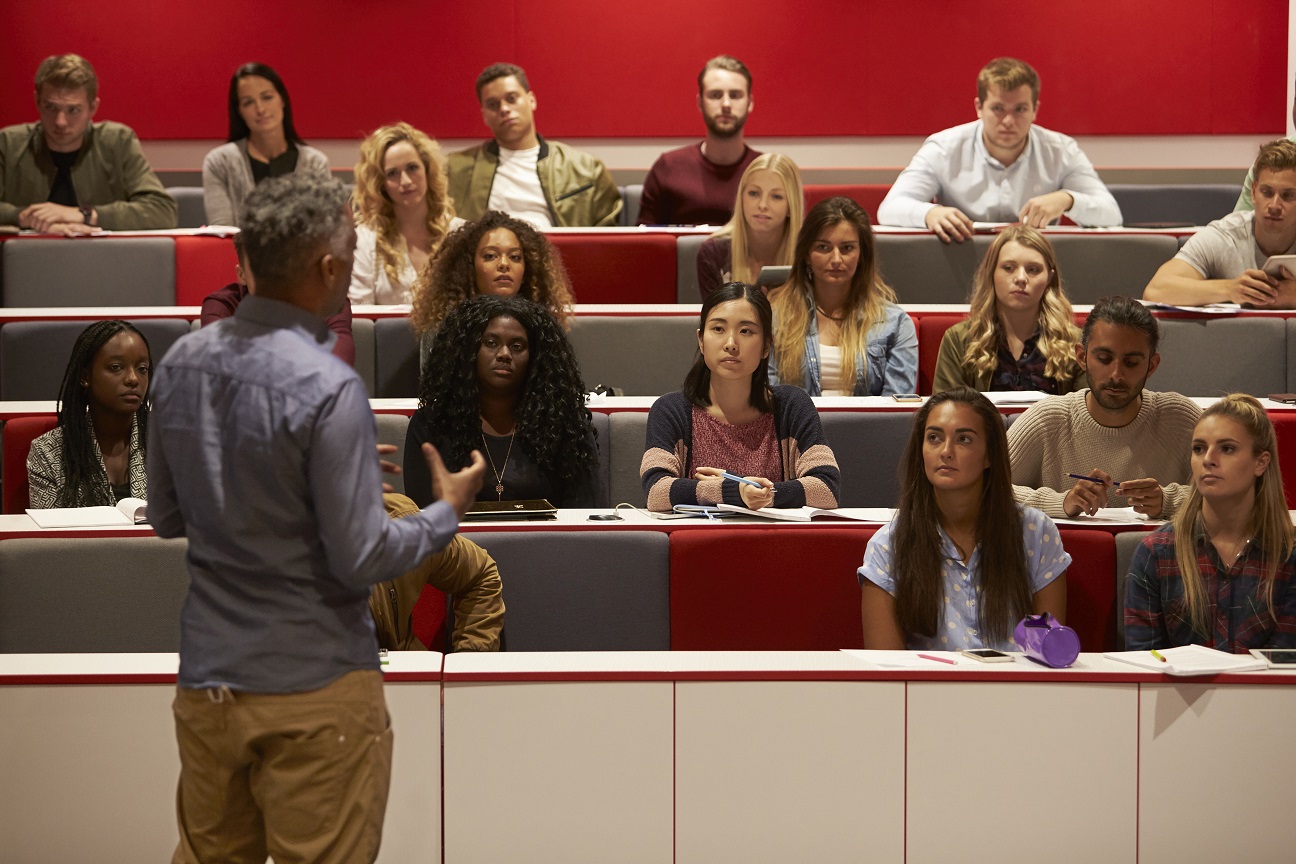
{"x": 888, "y": 366}
{"x": 262, "y": 454}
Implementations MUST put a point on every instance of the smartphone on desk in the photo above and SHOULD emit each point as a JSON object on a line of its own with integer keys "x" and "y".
{"x": 987, "y": 655}
{"x": 1285, "y": 398}
{"x": 906, "y": 397}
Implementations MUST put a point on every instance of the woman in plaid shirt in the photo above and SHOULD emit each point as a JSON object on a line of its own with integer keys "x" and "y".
{"x": 1221, "y": 574}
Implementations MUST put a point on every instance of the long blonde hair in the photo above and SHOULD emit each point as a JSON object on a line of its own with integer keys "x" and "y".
{"x": 374, "y": 209}
{"x": 1058, "y": 333}
{"x": 736, "y": 229}
{"x": 1270, "y": 524}
{"x": 794, "y": 303}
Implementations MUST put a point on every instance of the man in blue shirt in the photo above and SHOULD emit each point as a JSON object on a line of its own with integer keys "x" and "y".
{"x": 263, "y": 457}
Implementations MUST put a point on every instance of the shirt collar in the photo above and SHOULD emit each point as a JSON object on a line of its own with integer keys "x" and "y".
{"x": 979, "y": 148}
{"x": 277, "y": 313}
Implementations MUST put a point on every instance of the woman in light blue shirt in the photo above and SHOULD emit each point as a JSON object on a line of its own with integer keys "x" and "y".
{"x": 923, "y": 582}
{"x": 837, "y": 328}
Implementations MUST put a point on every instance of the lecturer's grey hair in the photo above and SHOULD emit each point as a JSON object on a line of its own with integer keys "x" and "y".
{"x": 284, "y": 223}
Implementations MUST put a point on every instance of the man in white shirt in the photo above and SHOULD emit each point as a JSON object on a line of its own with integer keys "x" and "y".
{"x": 999, "y": 168}
{"x": 1222, "y": 263}
{"x": 545, "y": 182}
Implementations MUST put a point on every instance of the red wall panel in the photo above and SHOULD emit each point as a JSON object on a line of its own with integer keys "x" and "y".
{"x": 603, "y": 69}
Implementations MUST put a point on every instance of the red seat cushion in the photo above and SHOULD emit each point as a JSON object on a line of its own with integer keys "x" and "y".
{"x": 749, "y": 589}
{"x": 611, "y": 268}
{"x": 1092, "y": 604}
{"x": 19, "y": 434}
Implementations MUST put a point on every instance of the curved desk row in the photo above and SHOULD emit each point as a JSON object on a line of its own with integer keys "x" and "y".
{"x": 703, "y": 757}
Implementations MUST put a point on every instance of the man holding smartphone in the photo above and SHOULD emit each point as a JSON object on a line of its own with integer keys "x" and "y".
{"x": 1225, "y": 261}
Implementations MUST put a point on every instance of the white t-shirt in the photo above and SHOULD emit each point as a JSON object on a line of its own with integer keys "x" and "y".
{"x": 516, "y": 189}
{"x": 830, "y": 364}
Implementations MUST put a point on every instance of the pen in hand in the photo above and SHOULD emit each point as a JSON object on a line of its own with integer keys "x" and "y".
{"x": 728, "y": 476}
{"x": 1098, "y": 480}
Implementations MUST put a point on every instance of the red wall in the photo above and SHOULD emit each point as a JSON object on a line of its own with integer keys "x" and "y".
{"x": 610, "y": 69}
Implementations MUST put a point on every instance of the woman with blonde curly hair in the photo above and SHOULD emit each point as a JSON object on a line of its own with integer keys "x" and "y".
{"x": 494, "y": 254}
{"x": 402, "y": 213}
{"x": 763, "y": 230}
{"x": 837, "y": 329}
{"x": 1019, "y": 334}
{"x": 1221, "y": 574}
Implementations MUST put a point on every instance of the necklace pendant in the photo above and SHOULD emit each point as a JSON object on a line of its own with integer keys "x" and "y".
{"x": 499, "y": 488}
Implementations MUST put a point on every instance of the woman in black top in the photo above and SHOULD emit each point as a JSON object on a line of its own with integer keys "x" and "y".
{"x": 502, "y": 378}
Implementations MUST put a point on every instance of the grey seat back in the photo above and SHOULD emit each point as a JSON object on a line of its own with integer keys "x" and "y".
{"x": 642, "y": 355}
{"x": 686, "y": 279}
{"x": 630, "y": 198}
{"x": 1100, "y": 266}
{"x": 583, "y": 590}
{"x": 1126, "y": 543}
{"x": 362, "y": 331}
{"x": 391, "y": 430}
{"x": 1197, "y": 204}
{"x": 627, "y": 435}
{"x": 34, "y": 354}
{"x": 396, "y": 359}
{"x": 91, "y": 595}
{"x": 1213, "y": 356}
{"x": 190, "y": 203}
{"x": 869, "y": 447}
{"x": 922, "y": 269}
{"x": 103, "y": 271}
{"x": 603, "y": 440}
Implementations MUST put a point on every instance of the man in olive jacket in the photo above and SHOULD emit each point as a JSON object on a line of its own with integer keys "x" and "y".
{"x": 544, "y": 182}
{"x": 68, "y": 175}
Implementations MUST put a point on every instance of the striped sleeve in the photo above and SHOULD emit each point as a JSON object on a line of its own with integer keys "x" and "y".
{"x": 807, "y": 458}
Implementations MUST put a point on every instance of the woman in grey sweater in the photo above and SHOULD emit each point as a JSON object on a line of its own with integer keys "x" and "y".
{"x": 262, "y": 143}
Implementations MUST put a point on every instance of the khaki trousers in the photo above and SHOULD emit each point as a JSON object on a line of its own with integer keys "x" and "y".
{"x": 297, "y": 776}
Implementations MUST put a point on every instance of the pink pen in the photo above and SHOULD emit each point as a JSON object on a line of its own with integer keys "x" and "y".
{"x": 938, "y": 659}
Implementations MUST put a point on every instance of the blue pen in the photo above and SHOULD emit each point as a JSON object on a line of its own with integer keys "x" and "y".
{"x": 1093, "y": 479}
{"x": 728, "y": 476}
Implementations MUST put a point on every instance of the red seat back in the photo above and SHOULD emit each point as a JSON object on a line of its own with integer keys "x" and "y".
{"x": 1285, "y": 428}
{"x": 867, "y": 195}
{"x": 931, "y": 328}
{"x": 1092, "y": 604}
{"x": 752, "y": 589}
{"x": 203, "y": 264}
{"x": 619, "y": 268}
{"x": 19, "y": 434}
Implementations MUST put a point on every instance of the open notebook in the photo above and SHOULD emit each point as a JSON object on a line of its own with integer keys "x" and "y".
{"x": 129, "y": 511}
{"x": 1189, "y": 660}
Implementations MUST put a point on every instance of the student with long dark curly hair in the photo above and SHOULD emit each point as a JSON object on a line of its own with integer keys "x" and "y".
{"x": 95, "y": 456}
{"x": 729, "y": 418}
{"x": 494, "y": 254}
{"x": 961, "y": 563}
{"x": 502, "y": 378}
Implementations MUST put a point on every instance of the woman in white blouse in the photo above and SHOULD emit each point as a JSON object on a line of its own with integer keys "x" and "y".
{"x": 402, "y": 213}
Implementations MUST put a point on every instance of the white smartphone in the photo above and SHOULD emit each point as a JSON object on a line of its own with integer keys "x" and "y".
{"x": 906, "y": 397}
{"x": 1275, "y": 264}
{"x": 987, "y": 655}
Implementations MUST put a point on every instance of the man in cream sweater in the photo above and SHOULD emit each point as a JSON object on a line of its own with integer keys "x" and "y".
{"x": 1135, "y": 443}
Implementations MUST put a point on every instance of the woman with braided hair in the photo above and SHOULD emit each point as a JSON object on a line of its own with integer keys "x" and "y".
{"x": 502, "y": 378}
{"x": 95, "y": 456}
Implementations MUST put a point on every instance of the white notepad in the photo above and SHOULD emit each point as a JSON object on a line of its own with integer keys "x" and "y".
{"x": 1189, "y": 660}
{"x": 129, "y": 511}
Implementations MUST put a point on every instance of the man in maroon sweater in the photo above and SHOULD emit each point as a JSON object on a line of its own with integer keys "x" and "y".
{"x": 697, "y": 184}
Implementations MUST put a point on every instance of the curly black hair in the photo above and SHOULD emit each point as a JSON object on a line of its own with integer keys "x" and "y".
{"x": 451, "y": 275}
{"x": 554, "y": 427}
{"x": 81, "y": 462}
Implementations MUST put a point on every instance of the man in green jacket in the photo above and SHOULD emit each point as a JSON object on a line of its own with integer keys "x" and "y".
{"x": 68, "y": 175}
{"x": 544, "y": 182}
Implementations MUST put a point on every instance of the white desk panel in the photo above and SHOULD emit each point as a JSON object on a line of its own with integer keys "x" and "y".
{"x": 1216, "y": 773}
{"x": 1022, "y": 772}
{"x": 569, "y": 772}
{"x": 779, "y": 771}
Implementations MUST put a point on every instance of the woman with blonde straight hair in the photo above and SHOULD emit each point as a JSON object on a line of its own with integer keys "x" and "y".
{"x": 763, "y": 229}
{"x": 1221, "y": 574}
{"x": 1019, "y": 334}
{"x": 837, "y": 328}
{"x": 402, "y": 212}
